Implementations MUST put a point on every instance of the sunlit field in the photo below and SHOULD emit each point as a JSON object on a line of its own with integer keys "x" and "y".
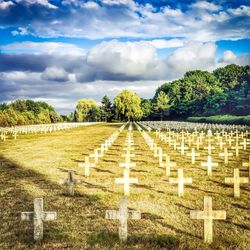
{"x": 34, "y": 165}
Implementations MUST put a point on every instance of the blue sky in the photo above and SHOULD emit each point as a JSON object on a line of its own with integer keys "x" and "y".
{"x": 62, "y": 51}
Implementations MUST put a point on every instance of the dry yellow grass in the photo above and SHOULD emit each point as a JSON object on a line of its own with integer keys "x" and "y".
{"x": 38, "y": 162}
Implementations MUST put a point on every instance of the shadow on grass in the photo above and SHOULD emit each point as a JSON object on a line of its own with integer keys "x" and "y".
{"x": 16, "y": 197}
{"x": 111, "y": 240}
{"x": 103, "y": 170}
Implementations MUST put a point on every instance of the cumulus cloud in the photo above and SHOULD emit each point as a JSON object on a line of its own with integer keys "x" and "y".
{"x": 162, "y": 43}
{"x": 229, "y": 57}
{"x": 192, "y": 56}
{"x": 43, "y": 48}
{"x": 6, "y": 5}
{"x": 45, "y": 3}
{"x": 55, "y": 74}
{"x": 127, "y": 58}
{"x": 127, "y": 18}
{"x": 105, "y": 69}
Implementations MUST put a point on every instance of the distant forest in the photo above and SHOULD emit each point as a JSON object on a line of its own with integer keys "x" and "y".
{"x": 225, "y": 91}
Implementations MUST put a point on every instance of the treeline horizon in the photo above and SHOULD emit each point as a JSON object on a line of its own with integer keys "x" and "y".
{"x": 225, "y": 91}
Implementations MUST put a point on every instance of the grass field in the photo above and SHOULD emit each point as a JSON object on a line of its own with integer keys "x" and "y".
{"x": 36, "y": 163}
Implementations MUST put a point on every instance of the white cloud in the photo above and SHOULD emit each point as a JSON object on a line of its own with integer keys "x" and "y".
{"x": 242, "y": 10}
{"x": 204, "y": 5}
{"x": 5, "y": 5}
{"x": 20, "y": 31}
{"x": 43, "y": 48}
{"x": 192, "y": 56}
{"x": 125, "y": 58}
{"x": 55, "y": 74}
{"x": 162, "y": 44}
{"x": 44, "y": 3}
{"x": 228, "y": 57}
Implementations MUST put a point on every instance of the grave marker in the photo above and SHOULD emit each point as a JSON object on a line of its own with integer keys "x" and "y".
{"x": 236, "y": 180}
{"x": 38, "y": 216}
{"x": 209, "y": 164}
{"x": 208, "y": 215}
{"x": 180, "y": 180}
{"x": 70, "y": 182}
{"x": 126, "y": 181}
{"x": 123, "y": 215}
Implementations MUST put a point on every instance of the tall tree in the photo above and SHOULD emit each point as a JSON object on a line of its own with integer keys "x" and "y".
{"x": 127, "y": 105}
{"x": 85, "y": 109}
{"x": 146, "y": 108}
{"x": 162, "y": 104}
{"x": 106, "y": 109}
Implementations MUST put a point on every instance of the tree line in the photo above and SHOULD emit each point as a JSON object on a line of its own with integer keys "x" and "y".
{"x": 27, "y": 112}
{"x": 198, "y": 93}
{"x": 225, "y": 91}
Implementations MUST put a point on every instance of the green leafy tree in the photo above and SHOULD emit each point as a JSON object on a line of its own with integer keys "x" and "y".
{"x": 162, "y": 105}
{"x": 146, "y": 108}
{"x": 106, "y": 109}
{"x": 84, "y": 110}
{"x": 128, "y": 105}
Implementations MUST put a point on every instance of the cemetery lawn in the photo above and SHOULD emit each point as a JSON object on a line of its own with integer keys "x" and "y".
{"x": 33, "y": 165}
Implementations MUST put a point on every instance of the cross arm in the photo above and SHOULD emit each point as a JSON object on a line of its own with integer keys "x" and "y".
{"x": 173, "y": 180}
{"x": 188, "y": 180}
{"x": 219, "y": 215}
{"x": 127, "y": 164}
{"x": 78, "y": 181}
{"x": 112, "y": 215}
{"x": 197, "y": 214}
{"x": 134, "y": 215}
{"x": 48, "y": 216}
{"x": 25, "y": 216}
{"x": 229, "y": 180}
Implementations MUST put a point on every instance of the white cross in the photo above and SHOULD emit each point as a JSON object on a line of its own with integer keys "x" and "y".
{"x": 237, "y": 180}
{"x": 180, "y": 181}
{"x": 208, "y": 215}
{"x": 209, "y": 164}
{"x": 126, "y": 181}
{"x": 38, "y": 216}
{"x": 123, "y": 215}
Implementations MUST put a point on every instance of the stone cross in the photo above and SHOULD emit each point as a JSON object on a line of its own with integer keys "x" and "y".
{"x": 180, "y": 181}
{"x": 168, "y": 164}
{"x": 126, "y": 181}
{"x": 208, "y": 215}
{"x": 236, "y": 180}
{"x": 209, "y": 164}
{"x": 127, "y": 165}
{"x": 123, "y": 214}
{"x": 237, "y": 147}
{"x": 70, "y": 182}
{"x": 225, "y": 155}
{"x": 38, "y": 216}
{"x": 182, "y": 148}
{"x": 193, "y": 155}
{"x": 160, "y": 155}
{"x": 247, "y": 164}
{"x": 209, "y": 148}
{"x": 95, "y": 155}
{"x": 244, "y": 143}
{"x": 87, "y": 165}
{"x": 127, "y": 156}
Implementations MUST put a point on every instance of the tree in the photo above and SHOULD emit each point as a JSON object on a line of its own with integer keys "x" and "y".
{"x": 85, "y": 109}
{"x": 106, "y": 109}
{"x": 162, "y": 105}
{"x": 146, "y": 108}
{"x": 127, "y": 105}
